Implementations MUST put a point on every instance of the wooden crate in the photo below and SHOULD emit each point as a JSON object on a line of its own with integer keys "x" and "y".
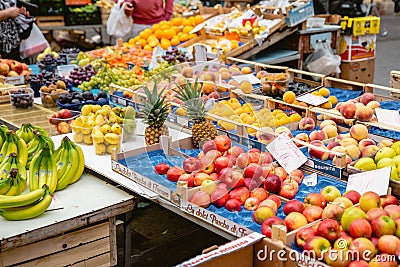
{"x": 91, "y": 246}
{"x": 209, "y": 12}
{"x": 47, "y": 21}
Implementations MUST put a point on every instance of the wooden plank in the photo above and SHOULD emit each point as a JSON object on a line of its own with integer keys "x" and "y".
{"x": 113, "y": 241}
{"x": 55, "y": 244}
{"x": 102, "y": 260}
{"x": 68, "y": 225}
{"x": 73, "y": 255}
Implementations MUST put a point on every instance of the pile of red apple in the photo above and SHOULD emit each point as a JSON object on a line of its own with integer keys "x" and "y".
{"x": 9, "y": 67}
{"x": 61, "y": 120}
{"x": 364, "y": 235}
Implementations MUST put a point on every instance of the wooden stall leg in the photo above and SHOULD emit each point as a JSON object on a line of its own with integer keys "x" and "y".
{"x": 127, "y": 238}
{"x": 113, "y": 241}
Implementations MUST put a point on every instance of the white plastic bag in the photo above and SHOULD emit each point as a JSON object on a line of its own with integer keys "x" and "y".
{"x": 323, "y": 60}
{"x": 119, "y": 24}
{"x": 34, "y": 44}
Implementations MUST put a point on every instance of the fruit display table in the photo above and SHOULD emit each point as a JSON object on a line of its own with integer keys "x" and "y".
{"x": 79, "y": 227}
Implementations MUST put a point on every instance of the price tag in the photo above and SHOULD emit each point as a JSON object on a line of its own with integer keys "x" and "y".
{"x": 313, "y": 100}
{"x": 198, "y": 27}
{"x": 15, "y": 80}
{"x": 248, "y": 77}
{"x": 311, "y": 180}
{"x": 376, "y": 181}
{"x": 288, "y": 155}
{"x": 391, "y": 117}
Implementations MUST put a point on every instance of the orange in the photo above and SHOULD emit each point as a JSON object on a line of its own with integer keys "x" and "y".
{"x": 145, "y": 34}
{"x": 175, "y": 41}
{"x": 142, "y": 42}
{"x": 192, "y": 21}
{"x": 186, "y": 22}
{"x": 177, "y": 21}
{"x": 153, "y": 42}
{"x": 148, "y": 47}
{"x": 289, "y": 97}
{"x": 169, "y": 34}
{"x": 165, "y": 44}
{"x": 193, "y": 35}
{"x": 159, "y": 34}
{"x": 184, "y": 37}
{"x": 155, "y": 27}
{"x": 198, "y": 19}
{"x": 187, "y": 29}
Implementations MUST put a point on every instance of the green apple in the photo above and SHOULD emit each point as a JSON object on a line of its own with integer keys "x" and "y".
{"x": 330, "y": 192}
{"x": 385, "y": 162}
{"x": 396, "y": 160}
{"x": 384, "y": 152}
{"x": 396, "y": 147}
{"x": 350, "y": 215}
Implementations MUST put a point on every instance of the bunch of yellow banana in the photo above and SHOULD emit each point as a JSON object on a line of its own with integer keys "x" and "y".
{"x": 27, "y": 132}
{"x": 43, "y": 170}
{"x": 3, "y": 130}
{"x": 38, "y": 142}
{"x": 105, "y": 3}
{"x": 70, "y": 163}
{"x": 13, "y": 180}
{"x": 14, "y": 144}
{"x": 27, "y": 206}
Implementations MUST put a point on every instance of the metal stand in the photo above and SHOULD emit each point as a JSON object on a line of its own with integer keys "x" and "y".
{"x": 373, "y": 10}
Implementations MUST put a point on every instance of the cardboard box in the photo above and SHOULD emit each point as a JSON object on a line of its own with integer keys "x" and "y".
{"x": 395, "y": 79}
{"x": 358, "y": 71}
{"x": 355, "y": 48}
{"x": 361, "y": 25}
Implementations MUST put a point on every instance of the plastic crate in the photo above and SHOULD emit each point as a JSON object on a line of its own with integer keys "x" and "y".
{"x": 82, "y": 18}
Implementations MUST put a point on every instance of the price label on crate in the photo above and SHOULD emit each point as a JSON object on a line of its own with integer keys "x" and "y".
{"x": 311, "y": 180}
{"x": 288, "y": 155}
{"x": 376, "y": 181}
{"x": 15, "y": 80}
{"x": 391, "y": 117}
{"x": 313, "y": 100}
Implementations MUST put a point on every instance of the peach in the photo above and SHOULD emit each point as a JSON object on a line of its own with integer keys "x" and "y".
{"x": 246, "y": 87}
{"x": 385, "y": 143}
{"x": 187, "y": 72}
{"x": 222, "y": 69}
{"x": 318, "y": 135}
{"x": 261, "y": 74}
{"x": 180, "y": 80}
{"x": 303, "y": 137}
{"x": 374, "y": 104}
{"x": 307, "y": 124}
{"x": 283, "y": 129}
{"x": 359, "y": 132}
{"x": 349, "y": 141}
{"x": 326, "y": 123}
{"x": 353, "y": 151}
{"x": 359, "y": 105}
{"x": 208, "y": 88}
{"x": 374, "y": 118}
{"x": 364, "y": 113}
{"x": 365, "y": 142}
{"x": 369, "y": 151}
{"x": 209, "y": 76}
{"x": 341, "y": 162}
{"x": 330, "y": 130}
{"x": 233, "y": 82}
{"x": 315, "y": 153}
{"x": 339, "y": 149}
{"x": 333, "y": 144}
{"x": 246, "y": 70}
{"x": 339, "y": 106}
{"x": 367, "y": 97}
{"x": 348, "y": 110}
{"x": 225, "y": 75}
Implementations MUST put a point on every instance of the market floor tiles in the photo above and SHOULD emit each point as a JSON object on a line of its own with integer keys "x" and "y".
{"x": 163, "y": 238}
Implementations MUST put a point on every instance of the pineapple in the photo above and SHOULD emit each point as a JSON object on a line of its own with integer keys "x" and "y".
{"x": 191, "y": 96}
{"x": 155, "y": 113}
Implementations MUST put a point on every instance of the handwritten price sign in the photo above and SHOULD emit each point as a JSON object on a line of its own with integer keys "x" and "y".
{"x": 376, "y": 181}
{"x": 286, "y": 153}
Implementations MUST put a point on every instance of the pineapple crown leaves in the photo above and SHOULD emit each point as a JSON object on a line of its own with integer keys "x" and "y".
{"x": 188, "y": 91}
{"x": 155, "y": 107}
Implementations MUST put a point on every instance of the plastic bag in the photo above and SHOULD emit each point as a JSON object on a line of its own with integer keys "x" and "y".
{"x": 323, "y": 60}
{"x": 119, "y": 24}
{"x": 34, "y": 44}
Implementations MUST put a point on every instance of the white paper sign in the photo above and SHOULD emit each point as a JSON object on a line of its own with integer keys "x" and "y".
{"x": 376, "y": 181}
{"x": 247, "y": 77}
{"x": 391, "y": 117}
{"x": 311, "y": 180}
{"x": 288, "y": 155}
{"x": 198, "y": 27}
{"x": 312, "y": 99}
{"x": 15, "y": 80}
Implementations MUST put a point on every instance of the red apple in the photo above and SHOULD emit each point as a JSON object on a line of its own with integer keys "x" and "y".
{"x": 64, "y": 114}
{"x": 219, "y": 197}
{"x": 360, "y": 228}
{"x": 337, "y": 257}
{"x": 343, "y": 242}
{"x": 315, "y": 199}
{"x": 235, "y": 151}
{"x": 393, "y": 211}
{"x": 161, "y": 168}
{"x": 303, "y": 235}
{"x": 223, "y": 186}
{"x": 295, "y": 220}
{"x": 296, "y": 175}
{"x": 272, "y": 184}
{"x": 293, "y": 205}
{"x": 222, "y": 143}
{"x": 343, "y": 201}
{"x": 208, "y": 145}
{"x": 350, "y": 215}
{"x": 53, "y": 119}
{"x": 221, "y": 163}
{"x": 251, "y": 203}
{"x": 188, "y": 178}
{"x": 191, "y": 164}
{"x": 383, "y": 260}
{"x": 174, "y": 173}
{"x": 266, "y": 227}
{"x": 201, "y": 199}
{"x": 329, "y": 229}
{"x": 291, "y": 182}
{"x": 214, "y": 176}
{"x": 247, "y": 182}
{"x": 200, "y": 177}
{"x": 276, "y": 200}
{"x": 259, "y": 193}
{"x": 363, "y": 247}
{"x": 358, "y": 263}
{"x": 281, "y": 173}
{"x": 240, "y": 194}
{"x": 253, "y": 170}
{"x": 254, "y": 156}
{"x": 313, "y": 213}
{"x": 318, "y": 245}
{"x": 369, "y": 200}
{"x": 330, "y": 192}
{"x": 388, "y": 200}
{"x": 397, "y": 222}
{"x": 374, "y": 241}
{"x": 232, "y": 177}
{"x": 376, "y": 212}
{"x": 288, "y": 191}
{"x": 242, "y": 160}
{"x": 383, "y": 225}
{"x": 333, "y": 211}
{"x": 354, "y": 196}
{"x": 266, "y": 158}
{"x": 262, "y": 213}
{"x": 207, "y": 168}
{"x": 389, "y": 244}
{"x": 233, "y": 205}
